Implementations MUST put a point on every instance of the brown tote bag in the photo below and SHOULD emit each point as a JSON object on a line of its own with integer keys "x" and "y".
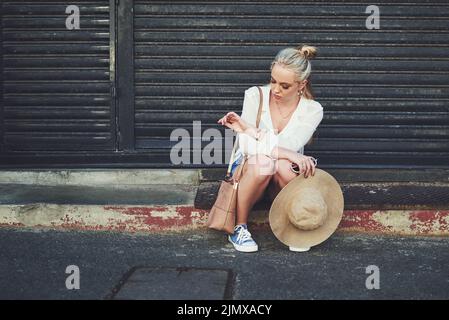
{"x": 223, "y": 213}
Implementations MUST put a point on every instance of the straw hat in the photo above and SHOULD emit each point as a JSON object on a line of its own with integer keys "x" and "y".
{"x": 307, "y": 211}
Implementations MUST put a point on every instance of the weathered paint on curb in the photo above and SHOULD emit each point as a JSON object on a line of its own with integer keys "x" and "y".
{"x": 416, "y": 222}
{"x": 183, "y": 217}
{"x": 91, "y": 217}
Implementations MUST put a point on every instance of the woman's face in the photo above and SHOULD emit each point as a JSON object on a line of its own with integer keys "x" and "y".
{"x": 284, "y": 85}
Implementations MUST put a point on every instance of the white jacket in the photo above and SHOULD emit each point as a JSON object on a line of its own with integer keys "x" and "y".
{"x": 298, "y": 131}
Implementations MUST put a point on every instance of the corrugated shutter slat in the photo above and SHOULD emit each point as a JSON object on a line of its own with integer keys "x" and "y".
{"x": 56, "y": 82}
{"x": 384, "y": 92}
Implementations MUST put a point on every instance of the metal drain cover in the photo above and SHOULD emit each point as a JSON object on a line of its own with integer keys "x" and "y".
{"x": 149, "y": 283}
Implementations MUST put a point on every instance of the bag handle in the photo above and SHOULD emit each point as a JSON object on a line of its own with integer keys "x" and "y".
{"x": 240, "y": 168}
{"x": 259, "y": 112}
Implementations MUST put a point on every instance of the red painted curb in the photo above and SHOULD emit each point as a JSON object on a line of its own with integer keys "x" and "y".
{"x": 179, "y": 218}
{"x": 420, "y": 222}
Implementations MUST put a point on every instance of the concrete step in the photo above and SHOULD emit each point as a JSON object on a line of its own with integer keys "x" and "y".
{"x": 366, "y": 196}
{"x": 149, "y": 195}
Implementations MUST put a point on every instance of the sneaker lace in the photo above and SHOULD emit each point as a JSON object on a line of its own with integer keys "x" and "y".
{"x": 243, "y": 235}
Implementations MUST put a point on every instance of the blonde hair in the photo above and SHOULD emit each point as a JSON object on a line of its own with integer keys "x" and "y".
{"x": 298, "y": 60}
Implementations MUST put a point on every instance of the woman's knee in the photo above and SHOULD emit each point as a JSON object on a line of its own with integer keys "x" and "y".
{"x": 261, "y": 166}
{"x": 283, "y": 171}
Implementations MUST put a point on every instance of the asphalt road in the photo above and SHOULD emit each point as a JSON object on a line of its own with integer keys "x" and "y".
{"x": 201, "y": 263}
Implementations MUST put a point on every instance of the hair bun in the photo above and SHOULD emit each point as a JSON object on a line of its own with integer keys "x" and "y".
{"x": 307, "y": 52}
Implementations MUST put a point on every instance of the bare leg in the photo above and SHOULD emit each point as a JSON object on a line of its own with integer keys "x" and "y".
{"x": 281, "y": 178}
{"x": 256, "y": 177}
{"x": 284, "y": 174}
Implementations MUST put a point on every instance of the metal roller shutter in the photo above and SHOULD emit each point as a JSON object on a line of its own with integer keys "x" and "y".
{"x": 56, "y": 81}
{"x": 384, "y": 92}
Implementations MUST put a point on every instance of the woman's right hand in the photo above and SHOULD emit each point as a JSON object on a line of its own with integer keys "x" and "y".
{"x": 234, "y": 122}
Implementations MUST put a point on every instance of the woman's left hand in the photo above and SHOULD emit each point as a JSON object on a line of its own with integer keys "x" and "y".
{"x": 305, "y": 164}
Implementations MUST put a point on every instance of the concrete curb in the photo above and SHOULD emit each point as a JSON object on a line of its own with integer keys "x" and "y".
{"x": 99, "y": 177}
{"x": 185, "y": 217}
{"x": 98, "y": 217}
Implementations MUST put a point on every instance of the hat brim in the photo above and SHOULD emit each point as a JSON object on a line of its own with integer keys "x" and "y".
{"x": 288, "y": 233}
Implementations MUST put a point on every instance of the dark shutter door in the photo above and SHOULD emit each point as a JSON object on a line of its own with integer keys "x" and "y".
{"x": 56, "y": 82}
{"x": 384, "y": 92}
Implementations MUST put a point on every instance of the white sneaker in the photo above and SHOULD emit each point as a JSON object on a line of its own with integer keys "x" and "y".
{"x": 297, "y": 249}
{"x": 242, "y": 240}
